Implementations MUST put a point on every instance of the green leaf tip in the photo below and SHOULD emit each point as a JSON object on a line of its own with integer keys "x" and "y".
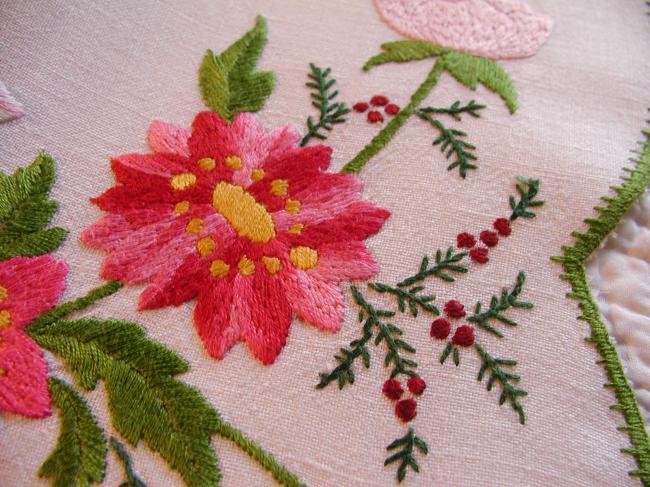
{"x": 228, "y": 81}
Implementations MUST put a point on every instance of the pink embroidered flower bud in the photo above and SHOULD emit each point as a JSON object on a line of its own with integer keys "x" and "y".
{"x": 405, "y": 409}
{"x": 479, "y": 255}
{"x": 454, "y": 309}
{"x": 464, "y": 336}
{"x": 393, "y": 389}
{"x": 489, "y": 238}
{"x": 440, "y": 329}
{"x": 465, "y": 240}
{"x": 416, "y": 385}
{"x": 360, "y": 107}
{"x": 502, "y": 225}
{"x": 379, "y": 100}
{"x": 375, "y": 117}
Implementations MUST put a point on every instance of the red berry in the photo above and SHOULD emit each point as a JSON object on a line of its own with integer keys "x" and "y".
{"x": 405, "y": 409}
{"x": 379, "y": 100}
{"x": 479, "y": 255}
{"x": 465, "y": 240}
{"x": 489, "y": 238}
{"x": 391, "y": 109}
{"x": 502, "y": 225}
{"x": 360, "y": 107}
{"x": 464, "y": 336}
{"x": 393, "y": 389}
{"x": 440, "y": 329}
{"x": 374, "y": 116}
{"x": 416, "y": 385}
{"x": 454, "y": 309}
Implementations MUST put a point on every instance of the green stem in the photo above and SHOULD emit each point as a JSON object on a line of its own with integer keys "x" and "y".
{"x": 388, "y": 132}
{"x": 261, "y": 456}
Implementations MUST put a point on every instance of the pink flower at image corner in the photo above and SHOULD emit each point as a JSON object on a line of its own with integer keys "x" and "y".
{"x": 10, "y": 109}
{"x": 497, "y": 29}
{"x": 28, "y": 287}
{"x": 242, "y": 219}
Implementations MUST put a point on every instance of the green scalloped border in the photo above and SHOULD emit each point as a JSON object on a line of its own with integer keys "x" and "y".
{"x": 574, "y": 260}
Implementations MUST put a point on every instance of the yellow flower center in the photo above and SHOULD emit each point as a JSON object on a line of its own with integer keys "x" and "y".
{"x": 183, "y": 181}
{"x": 303, "y": 258}
{"x": 5, "y": 319}
{"x": 243, "y": 212}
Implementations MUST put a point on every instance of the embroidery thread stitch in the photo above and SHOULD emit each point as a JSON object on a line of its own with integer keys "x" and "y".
{"x": 10, "y": 109}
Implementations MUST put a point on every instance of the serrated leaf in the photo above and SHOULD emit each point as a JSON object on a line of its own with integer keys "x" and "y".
{"x": 79, "y": 458}
{"x": 404, "y": 51}
{"x": 229, "y": 82}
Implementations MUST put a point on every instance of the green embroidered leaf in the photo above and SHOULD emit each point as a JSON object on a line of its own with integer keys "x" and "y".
{"x": 404, "y": 51}
{"x": 470, "y": 70}
{"x": 132, "y": 480}
{"x": 145, "y": 401}
{"x": 25, "y": 210}
{"x": 80, "y": 455}
{"x": 229, "y": 84}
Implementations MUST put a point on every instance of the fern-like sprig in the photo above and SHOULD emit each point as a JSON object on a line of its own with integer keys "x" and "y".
{"x": 456, "y": 109}
{"x": 444, "y": 264}
{"x": 409, "y": 443}
{"x": 330, "y": 112}
{"x": 410, "y": 297}
{"x": 509, "y": 391}
{"x": 527, "y": 189}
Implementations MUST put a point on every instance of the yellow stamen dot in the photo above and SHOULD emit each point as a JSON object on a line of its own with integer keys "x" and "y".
{"x": 292, "y": 206}
{"x": 303, "y": 258}
{"x": 246, "y": 266}
{"x": 218, "y": 268}
{"x": 4, "y": 294}
{"x": 272, "y": 264}
{"x": 5, "y": 319}
{"x": 279, "y": 187}
{"x": 243, "y": 212}
{"x": 207, "y": 163}
{"x": 181, "y": 207}
{"x": 183, "y": 181}
{"x": 195, "y": 225}
{"x": 2, "y": 372}
{"x": 296, "y": 228}
{"x": 205, "y": 246}
{"x": 233, "y": 162}
{"x": 257, "y": 174}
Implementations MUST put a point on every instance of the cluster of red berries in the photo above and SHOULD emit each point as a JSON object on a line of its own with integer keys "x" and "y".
{"x": 374, "y": 115}
{"x": 440, "y": 328}
{"x": 487, "y": 237}
{"x": 405, "y": 409}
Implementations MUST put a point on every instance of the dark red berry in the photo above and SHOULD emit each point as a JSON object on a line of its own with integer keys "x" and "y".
{"x": 416, "y": 385}
{"x": 489, "y": 238}
{"x": 405, "y": 409}
{"x": 391, "y": 109}
{"x": 379, "y": 100}
{"x": 375, "y": 117}
{"x": 454, "y": 309}
{"x": 360, "y": 107}
{"x": 479, "y": 255}
{"x": 440, "y": 329}
{"x": 465, "y": 240}
{"x": 464, "y": 336}
{"x": 502, "y": 225}
{"x": 393, "y": 389}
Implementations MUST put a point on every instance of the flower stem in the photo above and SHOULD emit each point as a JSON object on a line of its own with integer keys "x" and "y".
{"x": 265, "y": 459}
{"x": 384, "y": 137}
{"x": 64, "y": 309}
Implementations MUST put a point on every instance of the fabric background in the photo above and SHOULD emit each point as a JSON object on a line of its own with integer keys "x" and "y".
{"x": 92, "y": 75}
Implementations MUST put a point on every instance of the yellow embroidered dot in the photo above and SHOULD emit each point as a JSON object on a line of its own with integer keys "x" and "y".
{"x": 257, "y": 174}
{"x": 218, "y": 268}
{"x": 296, "y": 228}
{"x": 233, "y": 162}
{"x": 4, "y": 294}
{"x": 279, "y": 187}
{"x": 5, "y": 319}
{"x": 272, "y": 264}
{"x": 183, "y": 181}
{"x": 246, "y": 266}
{"x": 303, "y": 258}
{"x": 207, "y": 163}
{"x": 195, "y": 225}
{"x": 181, "y": 207}
{"x": 205, "y": 246}
{"x": 292, "y": 206}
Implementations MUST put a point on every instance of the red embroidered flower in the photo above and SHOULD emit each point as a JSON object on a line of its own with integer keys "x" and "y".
{"x": 479, "y": 255}
{"x": 489, "y": 238}
{"x": 464, "y": 336}
{"x": 405, "y": 409}
{"x": 28, "y": 287}
{"x": 465, "y": 240}
{"x": 242, "y": 219}
{"x": 502, "y": 225}
{"x": 440, "y": 329}
{"x": 391, "y": 109}
{"x": 393, "y": 389}
{"x": 375, "y": 117}
{"x": 416, "y": 385}
{"x": 360, "y": 107}
{"x": 379, "y": 100}
{"x": 454, "y": 309}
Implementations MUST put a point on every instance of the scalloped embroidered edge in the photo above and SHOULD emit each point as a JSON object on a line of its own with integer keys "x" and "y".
{"x": 573, "y": 260}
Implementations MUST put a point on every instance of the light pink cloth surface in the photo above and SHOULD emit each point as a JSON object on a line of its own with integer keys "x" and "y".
{"x": 93, "y": 75}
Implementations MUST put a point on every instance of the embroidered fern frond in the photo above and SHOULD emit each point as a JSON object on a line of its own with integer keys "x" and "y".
{"x": 456, "y": 109}
{"x": 404, "y": 51}
{"x": 25, "y": 210}
{"x": 507, "y": 300}
{"x": 132, "y": 479}
{"x": 452, "y": 144}
{"x": 410, "y": 297}
{"x": 331, "y": 113}
{"x": 527, "y": 189}
{"x": 509, "y": 391}
{"x": 80, "y": 455}
{"x": 444, "y": 264}
{"x": 409, "y": 443}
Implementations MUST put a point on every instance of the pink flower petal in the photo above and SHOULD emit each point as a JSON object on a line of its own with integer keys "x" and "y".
{"x": 345, "y": 261}
{"x": 10, "y": 109}
{"x": 165, "y": 137}
{"x": 315, "y": 300}
{"x": 23, "y": 376}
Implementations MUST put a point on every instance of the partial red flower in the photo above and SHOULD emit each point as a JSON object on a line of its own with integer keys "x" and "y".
{"x": 502, "y": 225}
{"x": 379, "y": 100}
{"x": 242, "y": 219}
{"x": 465, "y": 240}
{"x": 454, "y": 309}
{"x": 375, "y": 117}
{"x": 479, "y": 255}
{"x": 406, "y": 409}
{"x": 360, "y": 107}
{"x": 391, "y": 109}
{"x": 28, "y": 287}
{"x": 393, "y": 389}
{"x": 463, "y": 336}
{"x": 416, "y": 385}
{"x": 440, "y": 329}
{"x": 489, "y": 238}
